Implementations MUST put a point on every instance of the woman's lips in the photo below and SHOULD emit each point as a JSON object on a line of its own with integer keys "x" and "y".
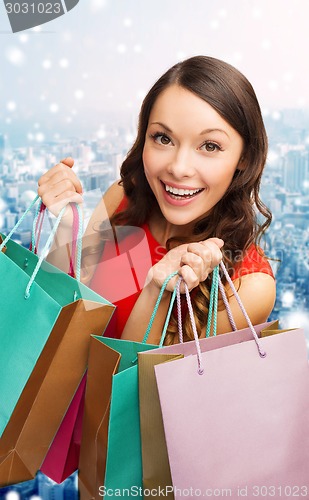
{"x": 177, "y": 199}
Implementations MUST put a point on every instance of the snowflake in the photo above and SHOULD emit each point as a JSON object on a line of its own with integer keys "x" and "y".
{"x": 127, "y": 22}
{"x": 11, "y": 106}
{"x": 39, "y": 137}
{"x": 54, "y": 108}
{"x": 15, "y": 56}
{"x": 63, "y": 63}
{"x": 121, "y": 48}
{"x": 46, "y": 64}
{"x": 79, "y": 94}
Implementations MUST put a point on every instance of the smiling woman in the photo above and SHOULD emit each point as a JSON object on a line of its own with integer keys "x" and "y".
{"x": 190, "y": 156}
{"x": 191, "y": 183}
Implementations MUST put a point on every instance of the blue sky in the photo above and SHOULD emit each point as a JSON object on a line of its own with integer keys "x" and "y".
{"x": 94, "y": 64}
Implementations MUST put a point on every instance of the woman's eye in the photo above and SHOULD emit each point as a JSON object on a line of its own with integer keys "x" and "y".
{"x": 211, "y": 147}
{"x": 161, "y": 139}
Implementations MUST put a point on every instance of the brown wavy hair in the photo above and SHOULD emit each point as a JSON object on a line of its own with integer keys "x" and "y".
{"x": 235, "y": 217}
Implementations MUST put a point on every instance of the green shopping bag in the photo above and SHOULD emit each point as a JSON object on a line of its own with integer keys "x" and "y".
{"x": 111, "y": 445}
{"x": 34, "y": 297}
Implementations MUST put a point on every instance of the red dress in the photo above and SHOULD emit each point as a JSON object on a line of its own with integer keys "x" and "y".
{"x": 121, "y": 273}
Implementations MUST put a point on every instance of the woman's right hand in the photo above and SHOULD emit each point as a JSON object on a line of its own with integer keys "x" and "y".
{"x": 193, "y": 261}
{"x": 60, "y": 186}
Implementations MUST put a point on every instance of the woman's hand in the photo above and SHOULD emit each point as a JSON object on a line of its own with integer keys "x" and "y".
{"x": 193, "y": 261}
{"x": 60, "y": 186}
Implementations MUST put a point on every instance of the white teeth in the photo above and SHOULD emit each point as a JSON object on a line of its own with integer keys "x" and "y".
{"x": 180, "y": 192}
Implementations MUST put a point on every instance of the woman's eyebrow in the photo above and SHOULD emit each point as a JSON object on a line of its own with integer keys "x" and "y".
{"x": 209, "y": 130}
{"x": 206, "y": 131}
{"x": 162, "y": 125}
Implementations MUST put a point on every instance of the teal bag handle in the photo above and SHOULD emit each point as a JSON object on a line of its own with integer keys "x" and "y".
{"x": 48, "y": 243}
{"x": 212, "y": 313}
{"x": 155, "y": 310}
{"x": 213, "y": 303}
{"x": 77, "y": 234}
{"x": 4, "y": 242}
{"x": 37, "y": 213}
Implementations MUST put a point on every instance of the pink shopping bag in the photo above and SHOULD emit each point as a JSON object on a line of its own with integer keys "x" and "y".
{"x": 237, "y": 422}
{"x": 63, "y": 455}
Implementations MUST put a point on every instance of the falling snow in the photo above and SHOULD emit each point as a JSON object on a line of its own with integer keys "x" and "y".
{"x": 11, "y": 106}
{"x": 54, "y": 108}
{"x": 46, "y": 64}
{"x": 79, "y": 94}
{"x": 63, "y": 63}
{"x": 15, "y": 56}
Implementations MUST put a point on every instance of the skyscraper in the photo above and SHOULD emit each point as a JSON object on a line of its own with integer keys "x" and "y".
{"x": 295, "y": 170}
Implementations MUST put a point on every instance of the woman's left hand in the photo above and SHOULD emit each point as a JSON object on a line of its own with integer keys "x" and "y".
{"x": 199, "y": 261}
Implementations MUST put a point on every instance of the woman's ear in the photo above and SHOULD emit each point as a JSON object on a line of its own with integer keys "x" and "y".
{"x": 241, "y": 164}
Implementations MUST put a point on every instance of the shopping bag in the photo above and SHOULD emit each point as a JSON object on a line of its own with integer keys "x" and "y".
{"x": 156, "y": 469}
{"x": 242, "y": 413}
{"x": 110, "y": 458}
{"x": 46, "y": 321}
{"x": 63, "y": 455}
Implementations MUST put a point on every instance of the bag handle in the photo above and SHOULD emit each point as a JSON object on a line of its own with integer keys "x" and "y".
{"x": 6, "y": 239}
{"x": 77, "y": 234}
{"x": 47, "y": 246}
{"x": 212, "y": 310}
{"x": 154, "y": 312}
{"x": 37, "y": 227}
{"x": 196, "y": 339}
{"x": 48, "y": 243}
{"x": 76, "y": 241}
{"x": 227, "y": 305}
{"x": 213, "y": 306}
{"x": 261, "y": 351}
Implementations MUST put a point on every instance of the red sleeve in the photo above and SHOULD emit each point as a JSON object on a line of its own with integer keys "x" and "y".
{"x": 254, "y": 261}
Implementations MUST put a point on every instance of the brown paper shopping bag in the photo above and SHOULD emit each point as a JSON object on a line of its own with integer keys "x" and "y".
{"x": 49, "y": 390}
{"x": 103, "y": 365}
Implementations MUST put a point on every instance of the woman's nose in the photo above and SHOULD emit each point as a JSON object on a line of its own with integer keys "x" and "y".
{"x": 181, "y": 165}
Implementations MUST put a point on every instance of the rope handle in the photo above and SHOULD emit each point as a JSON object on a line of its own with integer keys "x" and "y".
{"x": 76, "y": 241}
{"x": 37, "y": 227}
{"x": 7, "y": 238}
{"x": 227, "y": 305}
{"x": 155, "y": 310}
{"x": 261, "y": 351}
{"x": 77, "y": 230}
{"x": 190, "y": 309}
{"x": 49, "y": 241}
{"x": 47, "y": 246}
{"x": 213, "y": 306}
{"x": 213, "y": 303}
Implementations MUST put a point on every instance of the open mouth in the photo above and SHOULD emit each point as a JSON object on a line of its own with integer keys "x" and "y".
{"x": 181, "y": 194}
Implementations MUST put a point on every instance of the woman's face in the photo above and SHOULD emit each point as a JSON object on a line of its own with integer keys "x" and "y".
{"x": 190, "y": 155}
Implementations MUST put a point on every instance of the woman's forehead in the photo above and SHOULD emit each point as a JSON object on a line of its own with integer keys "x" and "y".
{"x": 178, "y": 108}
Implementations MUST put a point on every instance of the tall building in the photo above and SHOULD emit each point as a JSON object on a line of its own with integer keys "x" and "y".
{"x": 295, "y": 170}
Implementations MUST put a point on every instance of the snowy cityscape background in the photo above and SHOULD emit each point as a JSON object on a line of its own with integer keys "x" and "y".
{"x": 74, "y": 87}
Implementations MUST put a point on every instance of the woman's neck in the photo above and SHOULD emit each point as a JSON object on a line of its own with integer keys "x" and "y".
{"x": 162, "y": 230}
